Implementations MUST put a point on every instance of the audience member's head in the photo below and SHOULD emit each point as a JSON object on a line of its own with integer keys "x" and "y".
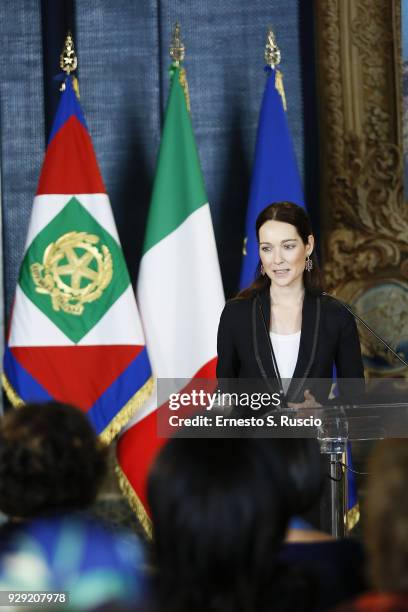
{"x": 387, "y": 516}
{"x": 50, "y": 460}
{"x": 302, "y": 459}
{"x": 220, "y": 511}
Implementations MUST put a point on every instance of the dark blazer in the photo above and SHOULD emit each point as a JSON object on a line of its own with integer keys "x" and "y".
{"x": 328, "y": 336}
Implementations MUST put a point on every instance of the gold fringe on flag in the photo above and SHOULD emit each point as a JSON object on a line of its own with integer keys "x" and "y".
{"x": 75, "y": 86}
{"x": 184, "y": 84}
{"x": 352, "y": 517}
{"x": 134, "y": 502}
{"x": 280, "y": 88}
{"x": 14, "y": 399}
{"x": 244, "y": 246}
{"x": 127, "y": 412}
{"x": 114, "y": 427}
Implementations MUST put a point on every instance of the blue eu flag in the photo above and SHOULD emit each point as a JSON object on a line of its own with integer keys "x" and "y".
{"x": 275, "y": 175}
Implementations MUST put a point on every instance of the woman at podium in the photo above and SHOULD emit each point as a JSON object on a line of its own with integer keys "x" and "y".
{"x": 283, "y": 330}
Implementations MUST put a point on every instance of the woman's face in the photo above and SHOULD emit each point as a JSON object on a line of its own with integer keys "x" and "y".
{"x": 283, "y": 253}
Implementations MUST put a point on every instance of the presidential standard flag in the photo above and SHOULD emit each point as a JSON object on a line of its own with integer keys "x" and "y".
{"x": 75, "y": 334}
{"x": 180, "y": 293}
{"x": 275, "y": 175}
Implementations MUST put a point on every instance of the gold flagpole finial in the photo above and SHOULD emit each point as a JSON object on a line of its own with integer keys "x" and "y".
{"x": 69, "y": 62}
{"x": 272, "y": 52}
{"x": 177, "y": 48}
{"x": 68, "y": 58}
{"x": 177, "y": 53}
{"x": 272, "y": 59}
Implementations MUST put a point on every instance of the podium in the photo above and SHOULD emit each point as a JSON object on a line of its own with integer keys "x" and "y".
{"x": 374, "y": 410}
{"x": 339, "y": 426}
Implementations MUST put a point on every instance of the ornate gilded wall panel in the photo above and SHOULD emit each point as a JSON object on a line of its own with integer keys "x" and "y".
{"x": 364, "y": 216}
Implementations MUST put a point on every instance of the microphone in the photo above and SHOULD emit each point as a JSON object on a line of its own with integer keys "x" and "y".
{"x": 366, "y": 325}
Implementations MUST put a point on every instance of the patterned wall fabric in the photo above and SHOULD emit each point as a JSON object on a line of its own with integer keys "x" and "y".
{"x": 22, "y": 127}
{"x": 123, "y": 61}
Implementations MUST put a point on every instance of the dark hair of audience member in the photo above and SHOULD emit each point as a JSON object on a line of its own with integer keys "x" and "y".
{"x": 303, "y": 462}
{"x": 386, "y": 530}
{"x": 50, "y": 460}
{"x": 220, "y": 510}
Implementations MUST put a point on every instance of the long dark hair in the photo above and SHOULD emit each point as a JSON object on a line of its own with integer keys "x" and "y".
{"x": 220, "y": 511}
{"x": 302, "y": 459}
{"x": 295, "y": 215}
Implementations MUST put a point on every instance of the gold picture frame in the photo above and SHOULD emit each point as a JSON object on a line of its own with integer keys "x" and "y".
{"x": 363, "y": 211}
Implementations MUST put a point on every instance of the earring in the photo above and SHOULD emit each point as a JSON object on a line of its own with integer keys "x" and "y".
{"x": 308, "y": 264}
{"x": 262, "y": 270}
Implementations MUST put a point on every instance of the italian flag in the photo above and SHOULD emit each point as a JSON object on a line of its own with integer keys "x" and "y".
{"x": 75, "y": 333}
{"x": 179, "y": 290}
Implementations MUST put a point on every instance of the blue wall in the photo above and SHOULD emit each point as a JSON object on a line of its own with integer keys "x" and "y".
{"x": 123, "y": 71}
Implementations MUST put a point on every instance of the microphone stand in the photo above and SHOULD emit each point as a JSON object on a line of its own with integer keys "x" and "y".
{"x": 337, "y": 524}
{"x": 366, "y": 325}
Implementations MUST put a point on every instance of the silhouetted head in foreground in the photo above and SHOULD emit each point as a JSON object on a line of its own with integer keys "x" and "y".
{"x": 50, "y": 460}
{"x": 220, "y": 511}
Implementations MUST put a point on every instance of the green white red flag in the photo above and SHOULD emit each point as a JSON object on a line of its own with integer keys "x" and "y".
{"x": 179, "y": 290}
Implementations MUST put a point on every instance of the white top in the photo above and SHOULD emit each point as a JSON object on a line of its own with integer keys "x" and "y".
{"x": 286, "y": 349}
